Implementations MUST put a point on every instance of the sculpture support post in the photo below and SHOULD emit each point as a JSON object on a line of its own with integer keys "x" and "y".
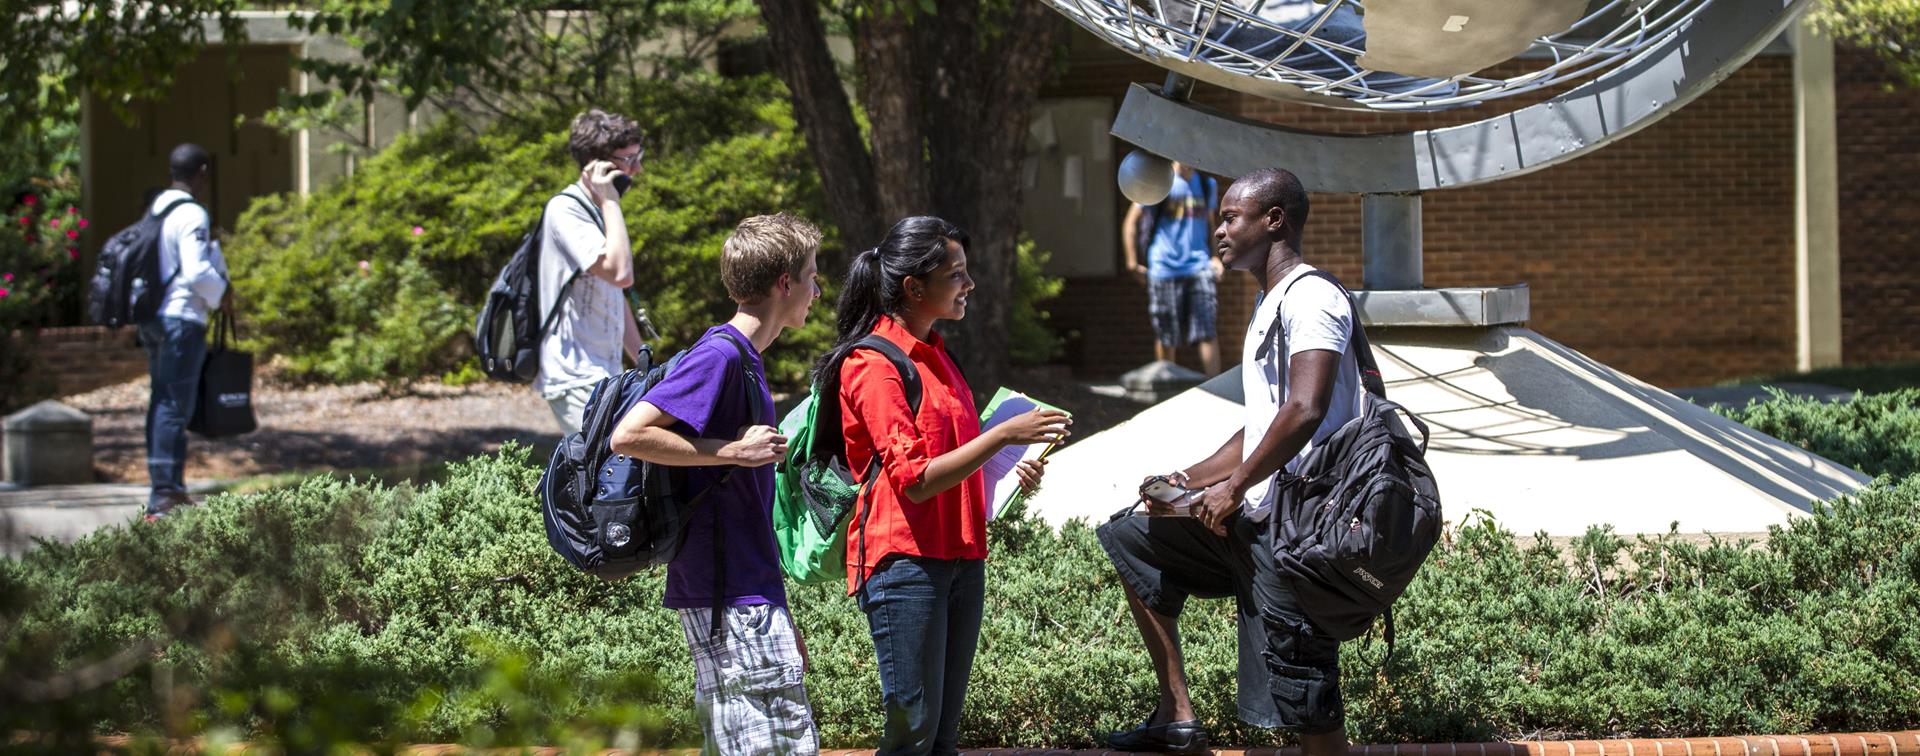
{"x": 1390, "y": 241}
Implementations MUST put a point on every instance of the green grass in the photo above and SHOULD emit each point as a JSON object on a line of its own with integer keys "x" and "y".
{"x": 1871, "y": 379}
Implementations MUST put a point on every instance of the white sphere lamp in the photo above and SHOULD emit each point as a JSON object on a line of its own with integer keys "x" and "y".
{"x": 1145, "y": 178}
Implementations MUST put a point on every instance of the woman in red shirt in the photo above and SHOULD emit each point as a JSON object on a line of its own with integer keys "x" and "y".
{"x": 917, "y": 541}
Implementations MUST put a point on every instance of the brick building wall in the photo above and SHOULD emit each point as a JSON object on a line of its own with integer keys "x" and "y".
{"x": 69, "y": 361}
{"x": 1669, "y": 254}
{"x": 1879, "y": 145}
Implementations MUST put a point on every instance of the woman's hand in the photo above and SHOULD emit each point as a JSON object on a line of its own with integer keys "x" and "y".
{"x": 1030, "y": 471}
{"x": 1039, "y": 426}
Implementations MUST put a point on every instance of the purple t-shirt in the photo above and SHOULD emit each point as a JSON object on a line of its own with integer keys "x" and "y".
{"x": 705, "y": 392}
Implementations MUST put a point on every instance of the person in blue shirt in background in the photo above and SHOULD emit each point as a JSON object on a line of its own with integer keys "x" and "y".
{"x": 1180, "y": 271}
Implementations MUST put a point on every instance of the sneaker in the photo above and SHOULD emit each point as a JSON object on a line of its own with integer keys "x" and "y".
{"x": 166, "y": 507}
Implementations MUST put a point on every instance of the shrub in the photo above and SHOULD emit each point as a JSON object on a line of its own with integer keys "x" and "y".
{"x": 42, "y": 278}
{"x": 343, "y": 287}
{"x": 1878, "y": 434}
{"x": 447, "y": 615}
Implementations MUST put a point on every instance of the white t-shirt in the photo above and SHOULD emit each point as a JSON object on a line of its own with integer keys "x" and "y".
{"x": 585, "y": 342}
{"x": 190, "y": 254}
{"x": 1314, "y": 315}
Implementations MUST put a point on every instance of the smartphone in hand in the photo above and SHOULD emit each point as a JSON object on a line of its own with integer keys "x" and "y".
{"x": 1163, "y": 491}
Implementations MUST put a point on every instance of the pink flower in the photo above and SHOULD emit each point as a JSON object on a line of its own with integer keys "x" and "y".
{"x": 71, "y": 209}
{"x": 82, "y": 222}
{"x": 73, "y": 234}
{"x": 54, "y": 223}
{"x": 31, "y": 200}
{"x": 365, "y": 266}
{"x": 4, "y": 292}
{"x": 73, "y": 253}
{"x": 418, "y": 230}
{"x": 8, "y": 277}
{"x": 24, "y": 220}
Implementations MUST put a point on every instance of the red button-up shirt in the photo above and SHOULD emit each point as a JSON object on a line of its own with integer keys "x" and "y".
{"x": 951, "y": 524}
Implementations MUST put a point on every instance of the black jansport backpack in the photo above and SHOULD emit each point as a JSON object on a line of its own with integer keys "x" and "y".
{"x": 612, "y": 516}
{"x": 127, "y": 287}
{"x": 508, "y": 333}
{"x": 1354, "y": 522}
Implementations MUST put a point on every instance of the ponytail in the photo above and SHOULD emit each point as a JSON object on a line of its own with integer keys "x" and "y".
{"x": 874, "y": 286}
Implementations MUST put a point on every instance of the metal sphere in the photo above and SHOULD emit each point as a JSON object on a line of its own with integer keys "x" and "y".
{"x": 1145, "y": 178}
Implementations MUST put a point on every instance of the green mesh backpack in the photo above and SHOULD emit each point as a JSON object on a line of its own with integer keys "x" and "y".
{"x": 813, "y": 491}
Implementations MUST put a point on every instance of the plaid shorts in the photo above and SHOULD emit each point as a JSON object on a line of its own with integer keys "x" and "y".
{"x": 1184, "y": 309}
{"x": 748, "y": 693}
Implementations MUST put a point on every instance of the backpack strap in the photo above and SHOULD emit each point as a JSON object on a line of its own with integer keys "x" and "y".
{"x": 910, "y": 381}
{"x": 164, "y": 212}
{"x": 553, "y": 312}
{"x": 719, "y": 533}
{"x": 1362, "y": 350}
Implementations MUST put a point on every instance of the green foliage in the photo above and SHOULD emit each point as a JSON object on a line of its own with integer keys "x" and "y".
{"x": 445, "y": 613}
{"x": 529, "y": 64}
{"x": 55, "y": 51}
{"x": 341, "y": 285}
{"x": 1878, "y": 434}
{"x": 1031, "y": 341}
{"x": 1888, "y": 27}
{"x": 42, "y": 281}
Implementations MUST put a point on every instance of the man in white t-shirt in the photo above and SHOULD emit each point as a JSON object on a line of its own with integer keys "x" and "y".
{"x": 1302, "y": 382}
{"x": 176, "y": 338}
{"x": 586, "y": 262}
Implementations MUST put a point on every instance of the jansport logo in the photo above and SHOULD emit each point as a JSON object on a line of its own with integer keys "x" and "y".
{"x": 1371, "y": 580}
{"x": 236, "y": 399}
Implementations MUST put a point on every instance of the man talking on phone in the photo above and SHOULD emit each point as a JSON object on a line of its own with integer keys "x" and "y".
{"x": 586, "y": 262}
{"x": 1301, "y": 382}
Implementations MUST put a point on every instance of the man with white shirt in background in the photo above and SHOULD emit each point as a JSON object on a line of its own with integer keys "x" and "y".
{"x": 586, "y": 264}
{"x": 176, "y": 338}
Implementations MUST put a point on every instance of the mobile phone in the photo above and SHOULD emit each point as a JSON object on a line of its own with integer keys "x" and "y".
{"x": 622, "y": 182}
{"x": 1164, "y": 491}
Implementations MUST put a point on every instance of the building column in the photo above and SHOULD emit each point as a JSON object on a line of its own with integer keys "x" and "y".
{"x": 1816, "y": 202}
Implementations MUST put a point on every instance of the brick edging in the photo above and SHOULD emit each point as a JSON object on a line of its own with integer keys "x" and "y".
{"x": 1904, "y": 743}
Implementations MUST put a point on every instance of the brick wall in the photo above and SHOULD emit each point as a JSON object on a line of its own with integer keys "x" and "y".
{"x": 1668, "y": 255}
{"x": 82, "y": 359}
{"x": 1879, "y": 212}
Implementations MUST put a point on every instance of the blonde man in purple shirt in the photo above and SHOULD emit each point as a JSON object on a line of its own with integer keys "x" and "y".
{"x": 748, "y": 690}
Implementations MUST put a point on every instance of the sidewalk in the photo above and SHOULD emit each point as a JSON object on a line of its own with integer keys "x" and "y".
{"x": 68, "y": 513}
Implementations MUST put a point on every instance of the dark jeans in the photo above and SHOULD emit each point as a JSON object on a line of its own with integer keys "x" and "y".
{"x": 925, "y": 618}
{"x": 176, "y": 348}
{"x": 1289, "y": 671}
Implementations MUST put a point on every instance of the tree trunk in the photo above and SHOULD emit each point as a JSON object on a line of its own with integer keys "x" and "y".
{"x": 988, "y": 91}
{"x": 890, "y": 92}
{"x": 821, "y": 108}
{"x": 948, "y": 95}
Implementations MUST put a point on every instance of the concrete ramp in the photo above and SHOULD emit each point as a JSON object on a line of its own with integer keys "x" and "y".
{"x": 1532, "y": 432}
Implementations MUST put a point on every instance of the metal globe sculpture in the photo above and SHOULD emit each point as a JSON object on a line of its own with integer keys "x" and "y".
{"x": 1145, "y": 178}
{"x": 1385, "y": 54}
{"x": 1608, "y": 68}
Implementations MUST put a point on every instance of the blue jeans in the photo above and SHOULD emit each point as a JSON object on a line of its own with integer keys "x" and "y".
{"x": 925, "y": 618}
{"x": 176, "y": 349}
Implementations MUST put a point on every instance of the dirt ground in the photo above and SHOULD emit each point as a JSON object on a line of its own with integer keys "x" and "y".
{"x": 311, "y": 429}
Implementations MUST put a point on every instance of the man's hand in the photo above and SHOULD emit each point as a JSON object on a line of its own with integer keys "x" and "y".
{"x": 1219, "y": 502}
{"x": 758, "y": 446}
{"x": 1139, "y": 272}
{"x": 598, "y": 176}
{"x": 1219, "y": 268}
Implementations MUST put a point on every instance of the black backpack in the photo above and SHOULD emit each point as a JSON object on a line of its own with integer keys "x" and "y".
{"x": 127, "y": 287}
{"x": 508, "y": 333}
{"x": 1357, "y": 518}
{"x": 613, "y": 537}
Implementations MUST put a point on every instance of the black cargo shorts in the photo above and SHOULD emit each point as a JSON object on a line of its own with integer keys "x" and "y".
{"x": 1289, "y": 670}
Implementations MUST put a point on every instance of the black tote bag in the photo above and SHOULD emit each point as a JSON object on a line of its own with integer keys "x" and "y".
{"x": 226, "y": 386}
